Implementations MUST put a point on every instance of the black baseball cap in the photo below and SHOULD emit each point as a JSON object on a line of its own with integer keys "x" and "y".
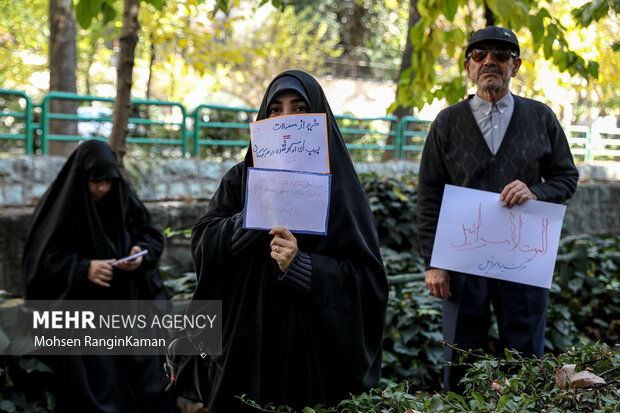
{"x": 493, "y": 34}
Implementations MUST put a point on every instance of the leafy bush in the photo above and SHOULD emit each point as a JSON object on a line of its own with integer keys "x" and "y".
{"x": 393, "y": 203}
{"x": 584, "y": 302}
{"x": 508, "y": 384}
{"x": 22, "y": 385}
{"x": 411, "y": 348}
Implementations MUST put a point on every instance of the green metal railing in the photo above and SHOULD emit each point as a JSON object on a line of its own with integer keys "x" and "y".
{"x": 404, "y": 138}
{"x": 386, "y": 126}
{"x": 26, "y": 115}
{"x": 580, "y": 145}
{"x": 47, "y": 115}
{"x": 200, "y": 123}
{"x": 417, "y": 137}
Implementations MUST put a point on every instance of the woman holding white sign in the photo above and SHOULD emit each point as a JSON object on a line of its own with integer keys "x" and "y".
{"x": 303, "y": 313}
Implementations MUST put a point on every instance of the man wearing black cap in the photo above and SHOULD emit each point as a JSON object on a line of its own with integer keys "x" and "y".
{"x": 498, "y": 142}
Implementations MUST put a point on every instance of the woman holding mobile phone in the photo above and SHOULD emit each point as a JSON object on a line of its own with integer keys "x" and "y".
{"x": 89, "y": 217}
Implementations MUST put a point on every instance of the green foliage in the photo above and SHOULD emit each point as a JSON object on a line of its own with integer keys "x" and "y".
{"x": 22, "y": 385}
{"x": 411, "y": 348}
{"x": 584, "y": 310}
{"x": 286, "y": 40}
{"x": 371, "y": 33}
{"x": 517, "y": 384}
{"x": 180, "y": 287}
{"x": 393, "y": 204}
{"x": 12, "y": 124}
{"x": 23, "y": 27}
{"x": 440, "y": 34}
{"x": 585, "y": 297}
{"x": 595, "y": 10}
{"x": 509, "y": 384}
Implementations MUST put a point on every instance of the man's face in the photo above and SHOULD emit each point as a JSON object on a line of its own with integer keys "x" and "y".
{"x": 490, "y": 74}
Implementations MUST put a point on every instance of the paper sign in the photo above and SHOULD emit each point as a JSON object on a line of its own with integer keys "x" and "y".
{"x": 293, "y": 142}
{"x": 295, "y": 200}
{"x": 477, "y": 235}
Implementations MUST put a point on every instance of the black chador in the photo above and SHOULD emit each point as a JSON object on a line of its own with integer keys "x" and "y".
{"x": 69, "y": 230}
{"x": 309, "y": 340}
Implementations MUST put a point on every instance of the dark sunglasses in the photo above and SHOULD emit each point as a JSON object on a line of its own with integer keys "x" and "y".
{"x": 478, "y": 55}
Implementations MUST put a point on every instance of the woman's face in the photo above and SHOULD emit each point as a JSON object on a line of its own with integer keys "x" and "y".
{"x": 98, "y": 189}
{"x": 288, "y": 102}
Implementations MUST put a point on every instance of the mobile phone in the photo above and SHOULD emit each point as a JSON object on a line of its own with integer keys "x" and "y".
{"x": 130, "y": 257}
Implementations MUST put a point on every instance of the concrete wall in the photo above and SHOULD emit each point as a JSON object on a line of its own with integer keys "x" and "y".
{"x": 24, "y": 179}
{"x": 595, "y": 209}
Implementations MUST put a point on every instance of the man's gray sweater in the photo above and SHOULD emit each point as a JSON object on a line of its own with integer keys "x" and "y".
{"x": 534, "y": 150}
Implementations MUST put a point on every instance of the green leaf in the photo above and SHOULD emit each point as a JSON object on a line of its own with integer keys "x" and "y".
{"x": 434, "y": 404}
{"x": 479, "y": 399}
{"x": 158, "y": 4}
{"x": 548, "y": 46}
{"x": 31, "y": 364}
{"x": 8, "y": 406}
{"x": 502, "y": 401}
{"x": 504, "y": 8}
{"x": 593, "y": 69}
{"x": 416, "y": 34}
{"x": 537, "y": 28}
{"x": 109, "y": 13}
{"x": 449, "y": 8}
{"x": 84, "y": 13}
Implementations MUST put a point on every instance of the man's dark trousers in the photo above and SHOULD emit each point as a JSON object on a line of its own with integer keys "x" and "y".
{"x": 520, "y": 310}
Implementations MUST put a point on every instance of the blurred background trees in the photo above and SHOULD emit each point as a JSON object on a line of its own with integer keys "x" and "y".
{"x": 225, "y": 51}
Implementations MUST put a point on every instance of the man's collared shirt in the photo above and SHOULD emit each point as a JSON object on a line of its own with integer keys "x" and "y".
{"x": 493, "y": 118}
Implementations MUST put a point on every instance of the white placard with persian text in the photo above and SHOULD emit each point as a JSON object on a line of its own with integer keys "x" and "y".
{"x": 293, "y": 142}
{"x": 295, "y": 200}
{"x": 477, "y": 235}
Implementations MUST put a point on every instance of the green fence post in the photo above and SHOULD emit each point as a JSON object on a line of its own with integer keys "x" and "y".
{"x": 197, "y": 131}
{"x": 44, "y": 127}
{"x": 396, "y": 154}
{"x": 588, "y": 156}
{"x": 28, "y": 127}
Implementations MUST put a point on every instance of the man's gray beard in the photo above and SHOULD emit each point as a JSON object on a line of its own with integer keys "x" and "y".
{"x": 495, "y": 89}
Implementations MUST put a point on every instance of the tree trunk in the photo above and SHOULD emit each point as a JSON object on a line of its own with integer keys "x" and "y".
{"x": 147, "y": 109}
{"x": 63, "y": 66}
{"x": 488, "y": 15}
{"x": 401, "y": 111}
{"x": 124, "y": 80}
{"x": 151, "y": 64}
{"x": 91, "y": 61}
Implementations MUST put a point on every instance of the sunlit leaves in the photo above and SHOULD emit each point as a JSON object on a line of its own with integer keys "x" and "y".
{"x": 449, "y": 8}
{"x": 595, "y": 10}
{"x": 23, "y": 27}
{"x": 432, "y": 77}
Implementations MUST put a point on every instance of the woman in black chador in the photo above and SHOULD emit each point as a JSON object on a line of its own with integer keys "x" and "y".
{"x": 88, "y": 217}
{"x": 303, "y": 314}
